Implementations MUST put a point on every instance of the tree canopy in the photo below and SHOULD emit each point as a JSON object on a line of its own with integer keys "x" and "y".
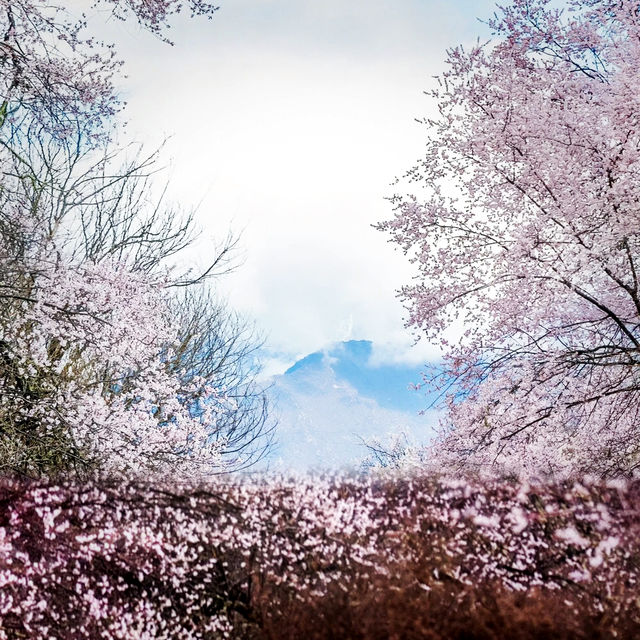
{"x": 529, "y": 234}
{"x": 113, "y": 357}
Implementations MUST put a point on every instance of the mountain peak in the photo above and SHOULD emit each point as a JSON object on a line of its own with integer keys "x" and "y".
{"x": 354, "y": 351}
{"x": 332, "y": 398}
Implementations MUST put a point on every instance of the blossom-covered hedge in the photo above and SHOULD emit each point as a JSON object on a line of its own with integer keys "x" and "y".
{"x": 313, "y": 557}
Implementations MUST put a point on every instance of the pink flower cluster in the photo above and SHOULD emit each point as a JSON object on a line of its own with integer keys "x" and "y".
{"x": 113, "y": 560}
{"x": 92, "y": 340}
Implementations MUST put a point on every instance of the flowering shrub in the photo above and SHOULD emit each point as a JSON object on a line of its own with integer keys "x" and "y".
{"x": 319, "y": 557}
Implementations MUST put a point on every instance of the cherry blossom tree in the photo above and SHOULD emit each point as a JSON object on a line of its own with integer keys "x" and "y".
{"x": 113, "y": 358}
{"x": 528, "y": 234}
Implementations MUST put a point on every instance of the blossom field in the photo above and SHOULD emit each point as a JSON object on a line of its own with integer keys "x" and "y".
{"x": 420, "y": 557}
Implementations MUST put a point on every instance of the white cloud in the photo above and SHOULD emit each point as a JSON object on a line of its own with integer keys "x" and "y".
{"x": 289, "y": 118}
{"x": 273, "y": 366}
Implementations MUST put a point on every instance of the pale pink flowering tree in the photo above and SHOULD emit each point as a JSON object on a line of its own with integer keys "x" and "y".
{"x": 529, "y": 234}
{"x": 86, "y": 383}
{"x": 112, "y": 358}
{"x": 51, "y": 70}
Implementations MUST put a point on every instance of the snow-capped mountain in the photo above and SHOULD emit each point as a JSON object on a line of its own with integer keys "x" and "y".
{"x": 330, "y": 401}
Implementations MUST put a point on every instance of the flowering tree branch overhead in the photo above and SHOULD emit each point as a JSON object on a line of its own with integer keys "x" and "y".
{"x": 155, "y": 15}
{"x": 53, "y": 72}
{"x": 529, "y": 233}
